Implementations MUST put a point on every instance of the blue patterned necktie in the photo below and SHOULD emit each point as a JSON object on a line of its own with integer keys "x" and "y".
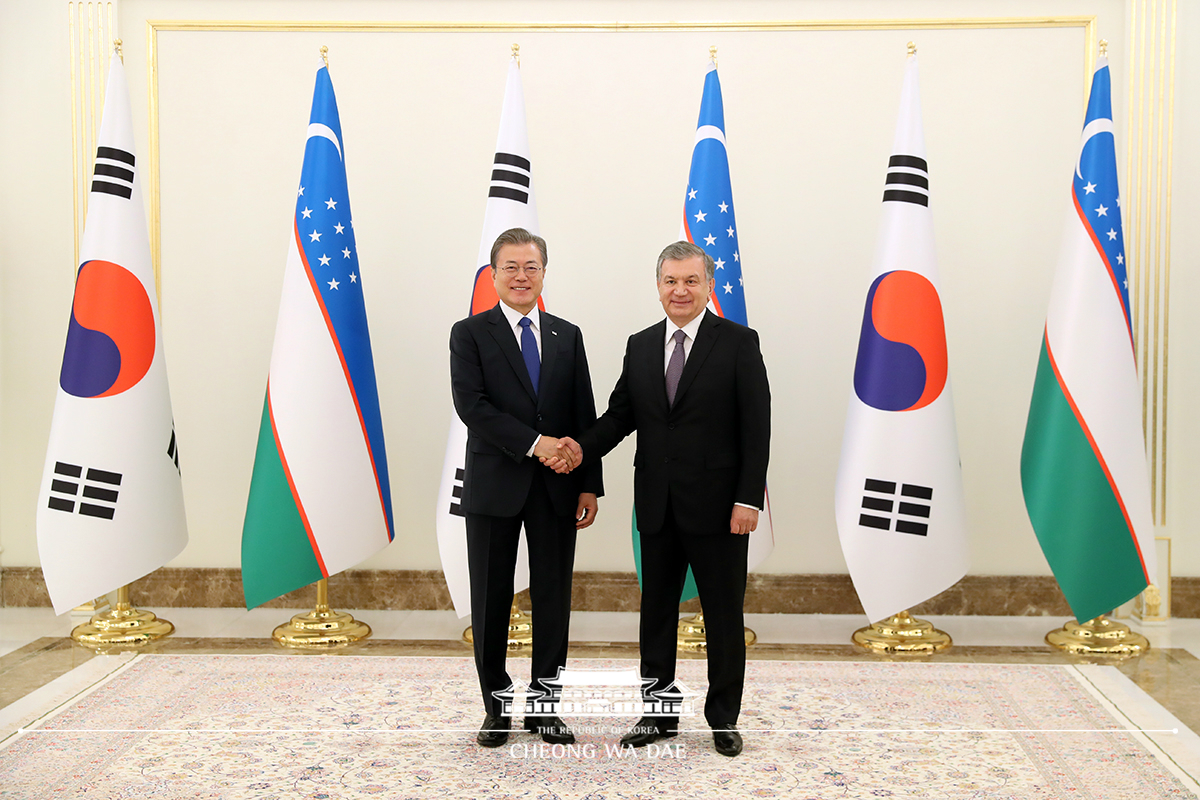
{"x": 529, "y": 352}
{"x": 675, "y": 367}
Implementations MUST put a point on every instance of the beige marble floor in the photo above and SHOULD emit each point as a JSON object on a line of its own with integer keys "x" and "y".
{"x": 35, "y": 647}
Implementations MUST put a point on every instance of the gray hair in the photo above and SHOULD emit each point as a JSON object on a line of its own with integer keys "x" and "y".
{"x": 519, "y": 236}
{"x": 682, "y": 251}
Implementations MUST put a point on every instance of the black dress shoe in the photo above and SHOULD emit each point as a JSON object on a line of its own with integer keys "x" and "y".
{"x": 647, "y": 731}
{"x": 727, "y": 740}
{"x": 494, "y": 731}
{"x": 552, "y": 729}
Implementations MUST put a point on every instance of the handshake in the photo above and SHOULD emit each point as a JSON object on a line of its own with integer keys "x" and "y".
{"x": 561, "y": 455}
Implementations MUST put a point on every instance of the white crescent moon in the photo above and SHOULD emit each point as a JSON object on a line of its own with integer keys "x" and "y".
{"x": 709, "y": 132}
{"x": 324, "y": 131}
{"x": 1096, "y": 126}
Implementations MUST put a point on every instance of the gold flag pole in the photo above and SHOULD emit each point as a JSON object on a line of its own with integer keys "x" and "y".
{"x": 691, "y": 637}
{"x": 1101, "y": 636}
{"x": 902, "y": 634}
{"x": 122, "y": 625}
{"x": 520, "y": 627}
{"x": 321, "y": 628}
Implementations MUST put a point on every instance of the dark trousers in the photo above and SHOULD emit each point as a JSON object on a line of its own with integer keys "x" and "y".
{"x": 718, "y": 562}
{"x": 491, "y": 558}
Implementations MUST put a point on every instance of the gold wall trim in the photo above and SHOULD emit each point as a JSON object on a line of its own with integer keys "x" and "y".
{"x": 155, "y": 26}
{"x": 91, "y": 29}
{"x": 1151, "y": 115}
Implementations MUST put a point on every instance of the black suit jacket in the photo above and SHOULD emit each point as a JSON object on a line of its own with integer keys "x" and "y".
{"x": 711, "y": 449}
{"x": 495, "y": 399}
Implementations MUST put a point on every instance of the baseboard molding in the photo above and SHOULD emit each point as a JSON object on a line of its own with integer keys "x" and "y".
{"x": 221, "y": 587}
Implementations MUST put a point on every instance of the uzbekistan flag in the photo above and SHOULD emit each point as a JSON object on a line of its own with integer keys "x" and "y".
{"x": 1083, "y": 463}
{"x": 708, "y": 221}
{"x": 110, "y": 508}
{"x": 510, "y": 204}
{"x": 319, "y": 497}
{"x": 899, "y": 497}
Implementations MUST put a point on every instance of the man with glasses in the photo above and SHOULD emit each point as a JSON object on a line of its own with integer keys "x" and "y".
{"x": 520, "y": 379}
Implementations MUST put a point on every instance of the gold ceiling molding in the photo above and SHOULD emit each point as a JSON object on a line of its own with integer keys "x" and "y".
{"x": 1146, "y": 211}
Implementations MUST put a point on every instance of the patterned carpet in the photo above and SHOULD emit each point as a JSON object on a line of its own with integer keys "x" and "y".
{"x": 291, "y": 726}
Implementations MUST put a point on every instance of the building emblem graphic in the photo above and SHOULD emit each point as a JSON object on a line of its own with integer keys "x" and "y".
{"x": 596, "y": 693}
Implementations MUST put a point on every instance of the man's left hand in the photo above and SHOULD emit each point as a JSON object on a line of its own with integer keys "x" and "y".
{"x": 585, "y": 513}
{"x": 743, "y": 520}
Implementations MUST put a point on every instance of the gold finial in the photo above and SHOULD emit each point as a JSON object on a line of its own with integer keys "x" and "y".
{"x": 912, "y": 49}
{"x": 1104, "y": 48}
{"x": 516, "y": 53}
{"x": 325, "y": 55}
{"x": 712, "y": 54}
{"x": 117, "y": 47}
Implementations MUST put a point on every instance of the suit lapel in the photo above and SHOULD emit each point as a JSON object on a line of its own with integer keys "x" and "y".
{"x": 508, "y": 345}
{"x": 550, "y": 347}
{"x": 653, "y": 361}
{"x": 706, "y": 337}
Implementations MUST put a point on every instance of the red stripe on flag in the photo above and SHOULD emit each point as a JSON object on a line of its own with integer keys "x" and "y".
{"x": 292, "y": 485}
{"x": 1104, "y": 258}
{"x": 312, "y": 281}
{"x": 1096, "y": 449}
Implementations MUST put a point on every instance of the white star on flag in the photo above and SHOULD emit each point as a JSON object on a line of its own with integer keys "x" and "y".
{"x": 1091, "y": 187}
{"x": 1102, "y": 211}
{"x": 324, "y": 259}
{"x": 333, "y": 284}
{"x": 346, "y": 253}
{"x": 314, "y": 236}
{"x": 724, "y": 208}
{"x": 710, "y": 240}
{"x": 331, "y": 203}
{"x": 339, "y": 228}
{"x": 307, "y": 213}
{"x": 700, "y": 216}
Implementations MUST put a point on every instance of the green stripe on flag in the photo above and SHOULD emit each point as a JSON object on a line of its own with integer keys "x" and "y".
{"x": 689, "y": 583}
{"x": 1074, "y": 512}
{"x": 277, "y": 556}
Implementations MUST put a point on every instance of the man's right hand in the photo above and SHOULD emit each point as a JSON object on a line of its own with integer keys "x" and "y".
{"x": 567, "y": 456}
{"x": 550, "y": 449}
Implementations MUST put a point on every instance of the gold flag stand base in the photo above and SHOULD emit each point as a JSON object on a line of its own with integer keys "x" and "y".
{"x": 520, "y": 630}
{"x": 122, "y": 626}
{"x": 321, "y": 628}
{"x": 1098, "y": 637}
{"x": 691, "y": 637}
{"x": 902, "y": 634}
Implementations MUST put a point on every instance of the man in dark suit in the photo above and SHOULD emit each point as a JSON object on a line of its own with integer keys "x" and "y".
{"x": 695, "y": 389}
{"x": 520, "y": 378}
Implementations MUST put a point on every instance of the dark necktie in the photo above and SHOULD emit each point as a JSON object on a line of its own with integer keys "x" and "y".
{"x": 675, "y": 367}
{"x": 529, "y": 352}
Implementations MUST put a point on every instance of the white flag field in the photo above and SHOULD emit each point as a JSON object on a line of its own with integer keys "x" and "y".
{"x": 110, "y": 509}
{"x": 899, "y": 497}
{"x": 510, "y": 204}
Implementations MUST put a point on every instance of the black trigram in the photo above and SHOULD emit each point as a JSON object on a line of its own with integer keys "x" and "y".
{"x": 99, "y": 495}
{"x": 510, "y": 178}
{"x": 114, "y": 172}
{"x": 173, "y": 450}
{"x": 907, "y": 180}
{"x": 456, "y": 493}
{"x": 880, "y": 499}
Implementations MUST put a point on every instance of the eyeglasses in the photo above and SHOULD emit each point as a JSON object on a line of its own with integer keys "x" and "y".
{"x": 532, "y": 270}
